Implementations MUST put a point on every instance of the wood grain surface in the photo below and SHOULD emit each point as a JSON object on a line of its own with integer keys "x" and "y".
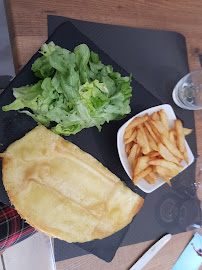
{"x": 28, "y": 30}
{"x": 127, "y": 256}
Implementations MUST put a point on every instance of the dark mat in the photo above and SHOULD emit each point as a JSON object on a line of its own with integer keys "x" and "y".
{"x": 157, "y": 59}
{"x": 200, "y": 59}
{"x": 103, "y": 147}
{"x": 4, "y": 81}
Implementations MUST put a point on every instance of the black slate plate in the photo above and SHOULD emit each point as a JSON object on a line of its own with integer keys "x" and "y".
{"x": 158, "y": 59}
{"x": 102, "y": 145}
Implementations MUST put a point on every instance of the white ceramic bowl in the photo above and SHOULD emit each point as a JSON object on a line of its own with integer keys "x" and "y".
{"x": 143, "y": 184}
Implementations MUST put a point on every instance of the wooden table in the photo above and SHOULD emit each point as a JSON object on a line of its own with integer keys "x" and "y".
{"x": 28, "y": 30}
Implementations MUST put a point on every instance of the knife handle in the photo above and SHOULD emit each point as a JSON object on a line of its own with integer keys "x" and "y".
{"x": 151, "y": 253}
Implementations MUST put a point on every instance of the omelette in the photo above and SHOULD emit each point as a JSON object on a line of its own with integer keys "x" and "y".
{"x": 63, "y": 191}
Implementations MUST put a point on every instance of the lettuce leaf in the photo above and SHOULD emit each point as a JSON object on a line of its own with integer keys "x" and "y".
{"x": 76, "y": 91}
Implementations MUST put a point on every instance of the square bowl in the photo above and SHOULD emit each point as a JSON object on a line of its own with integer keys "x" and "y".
{"x": 143, "y": 184}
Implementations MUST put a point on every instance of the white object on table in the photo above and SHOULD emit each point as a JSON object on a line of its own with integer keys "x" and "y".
{"x": 34, "y": 253}
{"x": 143, "y": 184}
{"x": 151, "y": 253}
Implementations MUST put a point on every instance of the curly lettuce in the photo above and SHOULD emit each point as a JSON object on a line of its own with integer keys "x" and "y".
{"x": 75, "y": 91}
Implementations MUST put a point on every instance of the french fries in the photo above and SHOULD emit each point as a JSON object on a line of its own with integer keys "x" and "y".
{"x": 160, "y": 127}
{"x": 142, "y": 174}
{"x": 180, "y": 136}
{"x": 135, "y": 122}
{"x": 171, "y": 147}
{"x": 164, "y": 119}
{"x": 131, "y": 138}
{"x": 151, "y": 141}
{"x": 166, "y": 154}
{"x": 153, "y": 154}
{"x": 128, "y": 147}
{"x": 132, "y": 154}
{"x": 187, "y": 131}
{"x": 148, "y": 126}
{"x": 142, "y": 141}
{"x": 155, "y": 131}
{"x": 165, "y": 171}
{"x": 142, "y": 163}
{"x": 154, "y": 149}
{"x": 172, "y": 138}
{"x": 138, "y": 154}
{"x": 149, "y": 179}
{"x": 181, "y": 139}
{"x": 167, "y": 164}
{"x": 153, "y": 175}
{"x": 128, "y": 133}
{"x": 155, "y": 116}
{"x": 167, "y": 180}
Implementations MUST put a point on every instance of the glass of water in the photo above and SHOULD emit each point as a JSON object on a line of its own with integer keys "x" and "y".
{"x": 187, "y": 93}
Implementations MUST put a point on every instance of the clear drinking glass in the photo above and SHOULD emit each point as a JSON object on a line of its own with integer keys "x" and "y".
{"x": 187, "y": 93}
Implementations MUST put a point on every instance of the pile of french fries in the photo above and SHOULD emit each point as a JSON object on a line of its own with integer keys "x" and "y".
{"x": 154, "y": 149}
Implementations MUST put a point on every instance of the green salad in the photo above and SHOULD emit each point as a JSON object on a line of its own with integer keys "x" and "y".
{"x": 75, "y": 91}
